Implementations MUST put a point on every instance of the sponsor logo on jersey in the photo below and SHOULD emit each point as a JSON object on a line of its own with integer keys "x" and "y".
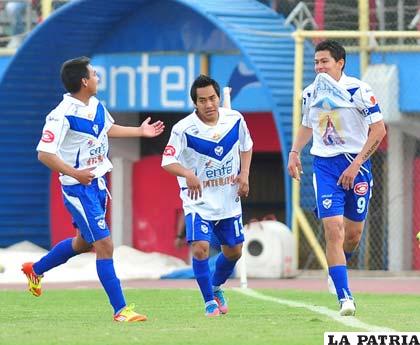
{"x": 218, "y": 150}
{"x": 169, "y": 151}
{"x": 218, "y": 182}
{"x": 361, "y": 188}
{"x": 97, "y": 155}
{"x": 218, "y": 171}
{"x": 47, "y": 136}
{"x": 95, "y": 160}
{"x": 52, "y": 118}
{"x": 327, "y": 203}
{"x": 216, "y": 136}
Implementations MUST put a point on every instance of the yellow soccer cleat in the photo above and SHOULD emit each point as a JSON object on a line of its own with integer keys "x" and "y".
{"x": 34, "y": 280}
{"x": 127, "y": 314}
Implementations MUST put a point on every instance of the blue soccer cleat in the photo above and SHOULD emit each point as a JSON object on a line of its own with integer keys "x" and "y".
{"x": 212, "y": 309}
{"x": 221, "y": 301}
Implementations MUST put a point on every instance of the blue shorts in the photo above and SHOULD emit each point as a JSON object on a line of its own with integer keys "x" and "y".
{"x": 87, "y": 205}
{"x": 227, "y": 231}
{"x": 333, "y": 200}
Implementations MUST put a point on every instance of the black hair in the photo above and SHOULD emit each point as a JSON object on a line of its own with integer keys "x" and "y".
{"x": 203, "y": 81}
{"x": 73, "y": 71}
{"x": 336, "y": 50}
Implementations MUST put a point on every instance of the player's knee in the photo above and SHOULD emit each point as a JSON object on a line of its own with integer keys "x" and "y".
{"x": 353, "y": 239}
{"x": 200, "y": 254}
{"x": 334, "y": 232}
{"x": 85, "y": 248}
{"x": 234, "y": 256}
{"x": 200, "y": 251}
{"x": 104, "y": 248}
{"x": 80, "y": 245}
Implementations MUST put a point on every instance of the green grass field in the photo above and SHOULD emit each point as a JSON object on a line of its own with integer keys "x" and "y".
{"x": 176, "y": 316}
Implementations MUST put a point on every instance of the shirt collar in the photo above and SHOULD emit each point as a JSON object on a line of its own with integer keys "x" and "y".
{"x": 69, "y": 98}
{"x": 342, "y": 78}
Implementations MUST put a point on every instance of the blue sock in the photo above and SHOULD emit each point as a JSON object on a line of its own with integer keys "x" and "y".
{"x": 339, "y": 276}
{"x": 110, "y": 282}
{"x": 202, "y": 275}
{"x": 224, "y": 269}
{"x": 58, "y": 255}
{"x": 348, "y": 256}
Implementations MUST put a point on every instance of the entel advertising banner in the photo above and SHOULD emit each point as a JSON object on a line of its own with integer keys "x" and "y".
{"x": 161, "y": 82}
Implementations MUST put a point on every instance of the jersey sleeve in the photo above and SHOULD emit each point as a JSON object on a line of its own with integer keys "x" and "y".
{"x": 367, "y": 104}
{"x": 109, "y": 120}
{"x": 245, "y": 141}
{"x": 53, "y": 133}
{"x": 174, "y": 148}
{"x": 306, "y": 97}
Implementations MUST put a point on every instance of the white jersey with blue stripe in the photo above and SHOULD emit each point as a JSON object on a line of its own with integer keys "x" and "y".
{"x": 339, "y": 114}
{"x": 213, "y": 152}
{"x": 77, "y": 133}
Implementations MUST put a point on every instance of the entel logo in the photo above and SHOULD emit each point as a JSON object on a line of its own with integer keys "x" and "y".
{"x": 215, "y": 172}
{"x": 361, "y": 188}
{"x": 169, "y": 151}
{"x": 172, "y": 79}
{"x": 47, "y": 136}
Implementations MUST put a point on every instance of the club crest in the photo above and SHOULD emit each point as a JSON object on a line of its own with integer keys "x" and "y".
{"x": 218, "y": 150}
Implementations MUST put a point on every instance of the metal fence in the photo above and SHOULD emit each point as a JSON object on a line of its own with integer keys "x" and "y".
{"x": 19, "y": 17}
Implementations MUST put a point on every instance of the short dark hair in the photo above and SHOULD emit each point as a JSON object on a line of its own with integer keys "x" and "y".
{"x": 203, "y": 81}
{"x": 73, "y": 71}
{"x": 336, "y": 50}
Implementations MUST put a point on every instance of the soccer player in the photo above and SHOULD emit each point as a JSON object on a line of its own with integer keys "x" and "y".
{"x": 342, "y": 116}
{"x": 74, "y": 142}
{"x": 210, "y": 152}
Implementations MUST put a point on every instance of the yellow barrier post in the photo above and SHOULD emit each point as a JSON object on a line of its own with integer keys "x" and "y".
{"x": 364, "y": 39}
{"x": 297, "y": 99}
{"x": 46, "y": 8}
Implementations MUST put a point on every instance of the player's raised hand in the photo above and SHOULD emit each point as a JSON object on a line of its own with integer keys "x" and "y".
{"x": 194, "y": 186}
{"x": 294, "y": 165}
{"x": 150, "y": 130}
{"x": 84, "y": 176}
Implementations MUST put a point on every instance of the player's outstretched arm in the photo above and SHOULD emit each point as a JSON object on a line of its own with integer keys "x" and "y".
{"x": 146, "y": 129}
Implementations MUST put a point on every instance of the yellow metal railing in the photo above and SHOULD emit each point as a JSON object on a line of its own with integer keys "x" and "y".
{"x": 46, "y": 8}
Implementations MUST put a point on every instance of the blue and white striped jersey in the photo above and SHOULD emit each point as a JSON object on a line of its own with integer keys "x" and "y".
{"x": 77, "y": 133}
{"x": 213, "y": 152}
{"x": 339, "y": 114}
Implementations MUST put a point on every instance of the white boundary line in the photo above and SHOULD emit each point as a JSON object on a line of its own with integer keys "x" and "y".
{"x": 349, "y": 321}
